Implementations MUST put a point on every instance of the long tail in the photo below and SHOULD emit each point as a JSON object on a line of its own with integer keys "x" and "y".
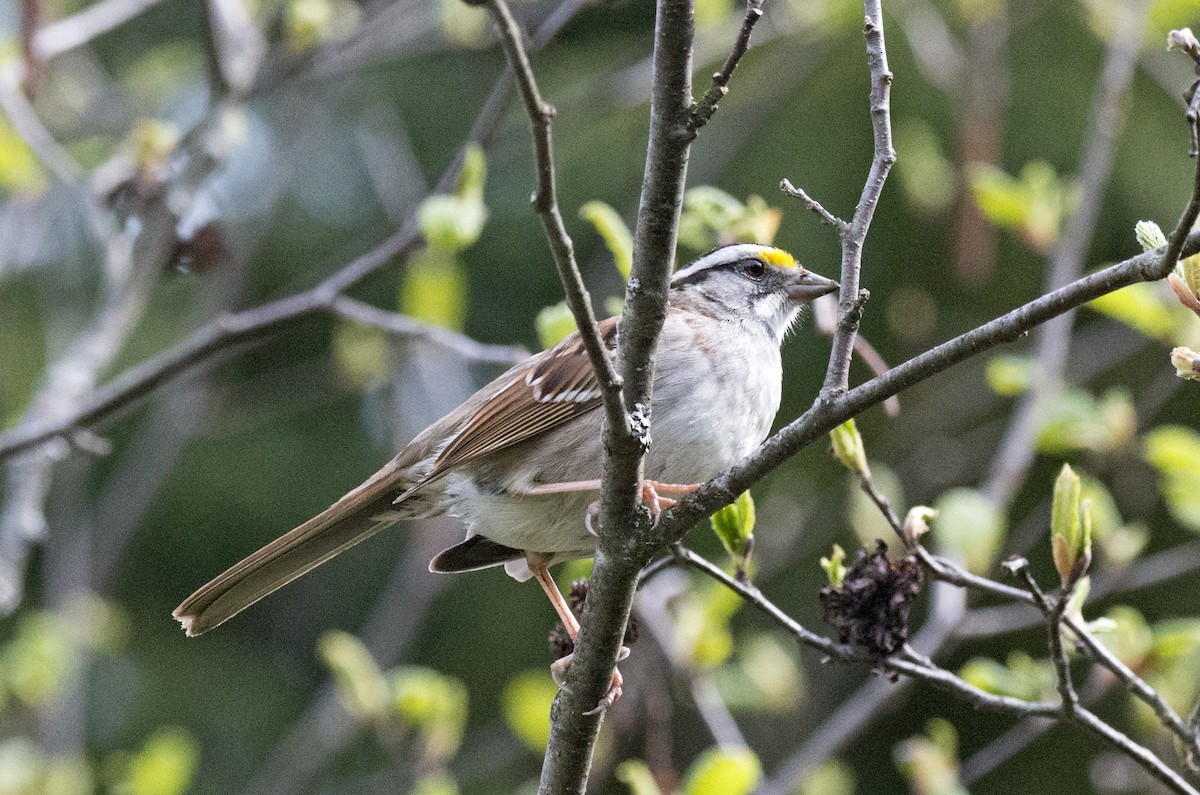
{"x": 355, "y": 517}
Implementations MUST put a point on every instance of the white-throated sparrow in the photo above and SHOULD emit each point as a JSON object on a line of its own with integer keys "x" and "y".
{"x": 518, "y": 460}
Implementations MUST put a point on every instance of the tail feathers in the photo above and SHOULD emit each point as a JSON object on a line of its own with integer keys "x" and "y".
{"x": 359, "y": 515}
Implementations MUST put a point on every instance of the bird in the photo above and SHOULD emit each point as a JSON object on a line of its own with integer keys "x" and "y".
{"x": 519, "y": 460}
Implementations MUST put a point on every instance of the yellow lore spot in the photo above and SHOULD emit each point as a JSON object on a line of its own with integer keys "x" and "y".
{"x": 778, "y": 257}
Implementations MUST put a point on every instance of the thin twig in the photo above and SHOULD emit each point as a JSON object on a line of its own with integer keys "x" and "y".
{"x": 818, "y": 209}
{"x": 545, "y": 203}
{"x": 1054, "y": 610}
{"x": 921, "y": 669}
{"x": 92, "y": 22}
{"x": 703, "y": 110}
{"x": 837, "y": 376}
{"x": 410, "y": 328}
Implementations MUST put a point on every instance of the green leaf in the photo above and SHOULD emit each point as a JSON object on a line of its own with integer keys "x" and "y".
{"x": 1009, "y": 375}
{"x": 1130, "y": 638}
{"x": 433, "y": 702}
{"x": 848, "y": 448}
{"x": 1070, "y": 528}
{"x": 360, "y": 683}
{"x": 164, "y": 766}
{"x": 828, "y": 778}
{"x": 473, "y": 177}
{"x": 363, "y": 354}
{"x": 1141, "y": 307}
{"x": 39, "y": 660}
{"x": 527, "y": 700}
{"x": 613, "y": 231}
{"x": 554, "y": 323}
{"x": 1021, "y": 677}
{"x": 1149, "y": 235}
{"x": 436, "y": 783}
{"x": 1080, "y": 422}
{"x": 930, "y": 763}
{"x": 434, "y": 289}
{"x": 970, "y": 528}
{"x": 728, "y": 771}
{"x": 1033, "y": 205}
{"x": 771, "y": 668}
{"x": 926, "y": 175}
{"x": 451, "y": 223}
{"x": 21, "y": 172}
{"x": 1174, "y": 450}
{"x": 834, "y": 566}
{"x": 463, "y": 24}
{"x": 734, "y": 525}
{"x": 635, "y": 774}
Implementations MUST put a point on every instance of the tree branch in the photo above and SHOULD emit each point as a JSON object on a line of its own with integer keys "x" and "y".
{"x": 627, "y": 539}
{"x": 703, "y": 110}
{"x": 921, "y": 669}
{"x": 818, "y": 420}
{"x": 837, "y": 376}
{"x": 545, "y": 203}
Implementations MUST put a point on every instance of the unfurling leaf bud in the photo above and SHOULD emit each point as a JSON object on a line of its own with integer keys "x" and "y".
{"x": 834, "y": 566}
{"x": 1185, "y": 282}
{"x": 734, "y": 525}
{"x": 1187, "y": 363}
{"x": 451, "y": 223}
{"x": 1149, "y": 235}
{"x": 360, "y": 683}
{"x": 848, "y": 447}
{"x": 916, "y": 524}
{"x": 1070, "y": 528}
{"x": 613, "y": 232}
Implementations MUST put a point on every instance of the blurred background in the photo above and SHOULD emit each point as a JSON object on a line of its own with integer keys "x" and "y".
{"x": 163, "y": 162}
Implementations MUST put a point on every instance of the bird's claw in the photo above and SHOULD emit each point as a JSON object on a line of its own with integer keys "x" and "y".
{"x": 558, "y": 672}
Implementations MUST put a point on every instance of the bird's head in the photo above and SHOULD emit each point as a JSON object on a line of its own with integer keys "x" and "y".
{"x": 750, "y": 284}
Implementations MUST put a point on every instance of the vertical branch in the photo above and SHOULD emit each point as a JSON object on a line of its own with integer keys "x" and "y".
{"x": 626, "y": 539}
{"x": 837, "y": 377}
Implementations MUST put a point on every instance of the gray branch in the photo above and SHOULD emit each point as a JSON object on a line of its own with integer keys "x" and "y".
{"x": 627, "y": 539}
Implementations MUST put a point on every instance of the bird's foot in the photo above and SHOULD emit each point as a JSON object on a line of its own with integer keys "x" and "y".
{"x": 652, "y": 498}
{"x": 558, "y": 672}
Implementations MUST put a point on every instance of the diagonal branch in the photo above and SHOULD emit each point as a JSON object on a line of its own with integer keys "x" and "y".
{"x": 921, "y": 669}
{"x": 814, "y": 423}
{"x": 703, "y": 110}
{"x": 545, "y": 203}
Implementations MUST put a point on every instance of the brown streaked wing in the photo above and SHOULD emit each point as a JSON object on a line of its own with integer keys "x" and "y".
{"x": 559, "y": 386}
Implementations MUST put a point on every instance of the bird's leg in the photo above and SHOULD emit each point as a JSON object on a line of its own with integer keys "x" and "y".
{"x": 537, "y": 564}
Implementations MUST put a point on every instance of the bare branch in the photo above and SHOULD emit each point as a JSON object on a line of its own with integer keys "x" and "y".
{"x": 837, "y": 376}
{"x": 703, "y": 110}
{"x": 627, "y": 539}
{"x": 545, "y": 203}
{"x": 406, "y": 327}
{"x": 94, "y": 21}
{"x": 921, "y": 669}
{"x": 840, "y": 226}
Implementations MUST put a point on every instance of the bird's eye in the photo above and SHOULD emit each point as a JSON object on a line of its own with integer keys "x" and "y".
{"x": 753, "y": 268}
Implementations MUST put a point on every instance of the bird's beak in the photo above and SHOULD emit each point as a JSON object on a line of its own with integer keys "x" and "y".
{"x": 809, "y": 286}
